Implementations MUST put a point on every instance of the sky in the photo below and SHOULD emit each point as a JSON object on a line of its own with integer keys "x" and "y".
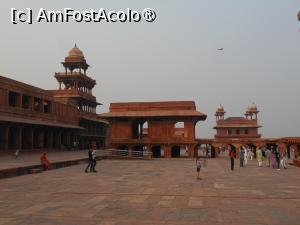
{"x": 173, "y": 58}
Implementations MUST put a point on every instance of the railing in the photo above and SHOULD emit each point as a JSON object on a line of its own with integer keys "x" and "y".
{"x": 125, "y": 154}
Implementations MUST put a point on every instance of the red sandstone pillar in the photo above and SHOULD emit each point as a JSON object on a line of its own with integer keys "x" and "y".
{"x": 51, "y": 139}
{"x": 6, "y": 133}
{"x": 31, "y": 138}
{"x": 59, "y": 140}
{"x": 191, "y": 151}
{"x": 19, "y": 138}
{"x": 41, "y": 138}
{"x": 20, "y": 100}
{"x": 31, "y": 106}
{"x": 167, "y": 151}
{"x": 42, "y": 106}
{"x": 130, "y": 151}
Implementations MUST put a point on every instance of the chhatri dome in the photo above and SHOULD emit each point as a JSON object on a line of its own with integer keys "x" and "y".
{"x": 75, "y": 53}
{"x": 220, "y": 108}
{"x": 253, "y": 107}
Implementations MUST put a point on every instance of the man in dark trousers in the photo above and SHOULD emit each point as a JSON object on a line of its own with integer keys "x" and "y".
{"x": 232, "y": 156}
{"x": 91, "y": 161}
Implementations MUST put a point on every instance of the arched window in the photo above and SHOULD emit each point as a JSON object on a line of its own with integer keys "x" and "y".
{"x": 179, "y": 130}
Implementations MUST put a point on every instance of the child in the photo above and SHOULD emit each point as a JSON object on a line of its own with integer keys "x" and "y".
{"x": 17, "y": 153}
{"x": 198, "y": 165}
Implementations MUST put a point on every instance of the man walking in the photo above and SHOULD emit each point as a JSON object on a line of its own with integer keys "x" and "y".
{"x": 242, "y": 156}
{"x": 198, "y": 165}
{"x": 94, "y": 162}
{"x": 232, "y": 155}
{"x": 268, "y": 157}
{"x": 90, "y": 165}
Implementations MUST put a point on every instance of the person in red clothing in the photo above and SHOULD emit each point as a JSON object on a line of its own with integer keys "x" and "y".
{"x": 45, "y": 162}
{"x": 232, "y": 156}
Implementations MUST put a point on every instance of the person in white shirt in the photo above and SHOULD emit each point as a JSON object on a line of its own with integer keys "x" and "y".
{"x": 246, "y": 155}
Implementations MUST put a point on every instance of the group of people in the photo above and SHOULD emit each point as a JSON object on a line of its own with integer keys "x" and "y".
{"x": 271, "y": 157}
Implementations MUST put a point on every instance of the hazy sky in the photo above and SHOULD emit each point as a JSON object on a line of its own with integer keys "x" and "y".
{"x": 173, "y": 58}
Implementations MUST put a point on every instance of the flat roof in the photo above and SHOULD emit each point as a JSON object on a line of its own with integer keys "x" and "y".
{"x": 155, "y": 113}
{"x": 37, "y": 122}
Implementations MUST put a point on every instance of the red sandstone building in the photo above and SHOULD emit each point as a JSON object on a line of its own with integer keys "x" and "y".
{"x": 167, "y": 129}
{"x": 33, "y": 118}
{"x": 243, "y": 131}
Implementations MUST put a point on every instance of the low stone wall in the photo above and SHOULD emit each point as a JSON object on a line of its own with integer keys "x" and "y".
{"x": 18, "y": 171}
{"x": 297, "y": 162}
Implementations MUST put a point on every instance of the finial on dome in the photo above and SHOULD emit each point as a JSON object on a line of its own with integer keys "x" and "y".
{"x": 220, "y": 108}
{"x": 76, "y": 52}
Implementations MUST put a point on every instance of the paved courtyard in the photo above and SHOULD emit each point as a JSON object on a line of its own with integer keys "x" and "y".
{"x": 154, "y": 192}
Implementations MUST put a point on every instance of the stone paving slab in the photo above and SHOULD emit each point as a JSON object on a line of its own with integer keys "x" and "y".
{"x": 155, "y": 192}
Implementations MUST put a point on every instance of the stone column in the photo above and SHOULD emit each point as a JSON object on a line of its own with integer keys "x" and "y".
{"x": 51, "y": 139}
{"x": 31, "y": 106}
{"x": 41, "y": 136}
{"x": 167, "y": 151}
{"x": 130, "y": 151}
{"x": 6, "y": 133}
{"x": 31, "y": 138}
{"x": 20, "y": 100}
{"x": 59, "y": 139}
{"x": 42, "y": 105}
{"x": 19, "y": 138}
{"x": 191, "y": 151}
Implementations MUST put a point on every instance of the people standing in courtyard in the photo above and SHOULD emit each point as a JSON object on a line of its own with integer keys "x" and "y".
{"x": 90, "y": 164}
{"x": 263, "y": 151}
{"x": 259, "y": 157}
{"x": 292, "y": 153}
{"x": 273, "y": 158}
{"x": 232, "y": 156}
{"x": 246, "y": 155}
{"x": 242, "y": 156}
{"x": 207, "y": 152}
{"x": 277, "y": 157}
{"x": 94, "y": 161}
{"x": 251, "y": 154}
{"x": 268, "y": 157}
{"x": 17, "y": 153}
{"x": 45, "y": 162}
{"x": 284, "y": 159}
{"x": 198, "y": 166}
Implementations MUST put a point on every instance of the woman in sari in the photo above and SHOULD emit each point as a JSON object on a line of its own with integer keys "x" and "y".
{"x": 259, "y": 156}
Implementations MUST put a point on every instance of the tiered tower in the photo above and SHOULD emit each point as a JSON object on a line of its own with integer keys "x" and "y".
{"x": 220, "y": 113}
{"x": 75, "y": 87}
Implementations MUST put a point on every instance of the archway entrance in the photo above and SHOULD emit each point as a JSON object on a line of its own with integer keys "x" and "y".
{"x": 123, "y": 150}
{"x": 175, "y": 153}
{"x": 156, "y": 151}
{"x": 138, "y": 150}
{"x": 213, "y": 152}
